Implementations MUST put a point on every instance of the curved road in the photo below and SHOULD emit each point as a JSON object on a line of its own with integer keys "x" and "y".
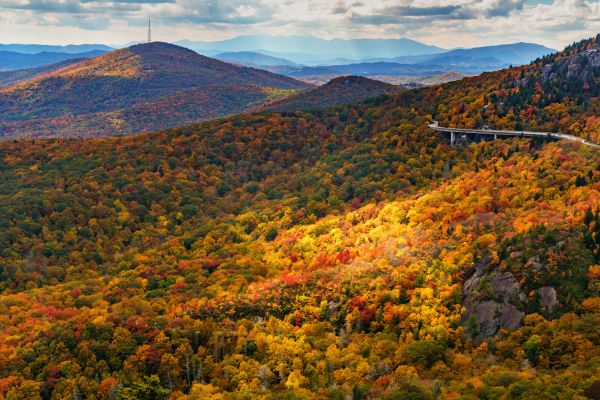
{"x": 560, "y": 136}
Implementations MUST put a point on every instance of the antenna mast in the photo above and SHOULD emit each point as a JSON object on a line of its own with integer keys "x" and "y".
{"x": 149, "y": 32}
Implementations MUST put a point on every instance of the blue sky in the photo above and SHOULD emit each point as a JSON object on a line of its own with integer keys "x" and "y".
{"x": 446, "y": 23}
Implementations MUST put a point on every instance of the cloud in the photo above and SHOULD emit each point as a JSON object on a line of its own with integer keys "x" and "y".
{"x": 448, "y": 23}
{"x": 474, "y": 9}
{"x": 197, "y": 11}
{"x": 495, "y": 8}
{"x": 75, "y": 7}
{"x": 129, "y": 1}
{"x": 67, "y": 7}
{"x": 235, "y": 12}
{"x": 411, "y": 11}
{"x": 86, "y": 23}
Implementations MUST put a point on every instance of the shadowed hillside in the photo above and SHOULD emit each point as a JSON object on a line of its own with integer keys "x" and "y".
{"x": 342, "y": 90}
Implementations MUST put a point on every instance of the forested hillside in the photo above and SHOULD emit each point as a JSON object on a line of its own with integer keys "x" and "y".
{"x": 140, "y": 88}
{"x": 339, "y": 91}
{"x": 339, "y": 253}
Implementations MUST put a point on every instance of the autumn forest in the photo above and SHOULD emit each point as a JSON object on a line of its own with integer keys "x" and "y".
{"x": 322, "y": 252}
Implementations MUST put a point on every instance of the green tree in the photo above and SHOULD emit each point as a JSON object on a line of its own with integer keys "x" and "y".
{"x": 409, "y": 391}
{"x": 472, "y": 328}
{"x": 150, "y": 389}
{"x": 423, "y": 352}
{"x": 532, "y": 349}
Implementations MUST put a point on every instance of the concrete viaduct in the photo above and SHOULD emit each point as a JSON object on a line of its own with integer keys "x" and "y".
{"x": 498, "y": 133}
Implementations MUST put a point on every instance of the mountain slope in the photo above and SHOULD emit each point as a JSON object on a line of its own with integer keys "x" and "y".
{"x": 339, "y": 237}
{"x": 342, "y": 90}
{"x": 117, "y": 93}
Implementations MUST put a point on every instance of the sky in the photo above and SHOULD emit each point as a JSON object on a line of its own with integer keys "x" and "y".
{"x": 445, "y": 23}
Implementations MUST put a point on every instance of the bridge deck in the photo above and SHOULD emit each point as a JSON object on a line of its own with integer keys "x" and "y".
{"x": 493, "y": 132}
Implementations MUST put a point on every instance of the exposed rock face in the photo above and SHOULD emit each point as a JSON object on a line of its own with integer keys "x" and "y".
{"x": 491, "y": 296}
{"x": 541, "y": 271}
{"x": 593, "y": 57}
{"x": 491, "y": 316}
{"x": 575, "y": 66}
{"x": 546, "y": 72}
{"x": 548, "y": 297}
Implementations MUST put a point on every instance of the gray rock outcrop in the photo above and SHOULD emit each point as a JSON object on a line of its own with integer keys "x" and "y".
{"x": 491, "y": 299}
{"x": 574, "y": 66}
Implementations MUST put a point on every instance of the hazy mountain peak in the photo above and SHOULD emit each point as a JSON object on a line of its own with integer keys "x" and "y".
{"x": 328, "y": 48}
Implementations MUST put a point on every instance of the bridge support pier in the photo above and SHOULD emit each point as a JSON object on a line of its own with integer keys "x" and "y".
{"x": 495, "y": 136}
{"x": 452, "y": 139}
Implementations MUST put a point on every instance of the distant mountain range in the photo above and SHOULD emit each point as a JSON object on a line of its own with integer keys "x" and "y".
{"x": 156, "y": 86}
{"x": 297, "y": 52}
{"x": 250, "y": 59}
{"x": 293, "y": 46}
{"x": 413, "y": 68}
{"x": 386, "y": 71}
{"x": 504, "y": 54}
{"x": 314, "y": 60}
{"x": 311, "y": 51}
{"x": 10, "y": 60}
{"x": 39, "y": 48}
{"x": 516, "y": 53}
{"x": 141, "y": 88}
{"x": 319, "y": 61}
{"x": 11, "y": 77}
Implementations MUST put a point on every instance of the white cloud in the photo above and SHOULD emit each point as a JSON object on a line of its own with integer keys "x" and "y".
{"x": 447, "y": 23}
